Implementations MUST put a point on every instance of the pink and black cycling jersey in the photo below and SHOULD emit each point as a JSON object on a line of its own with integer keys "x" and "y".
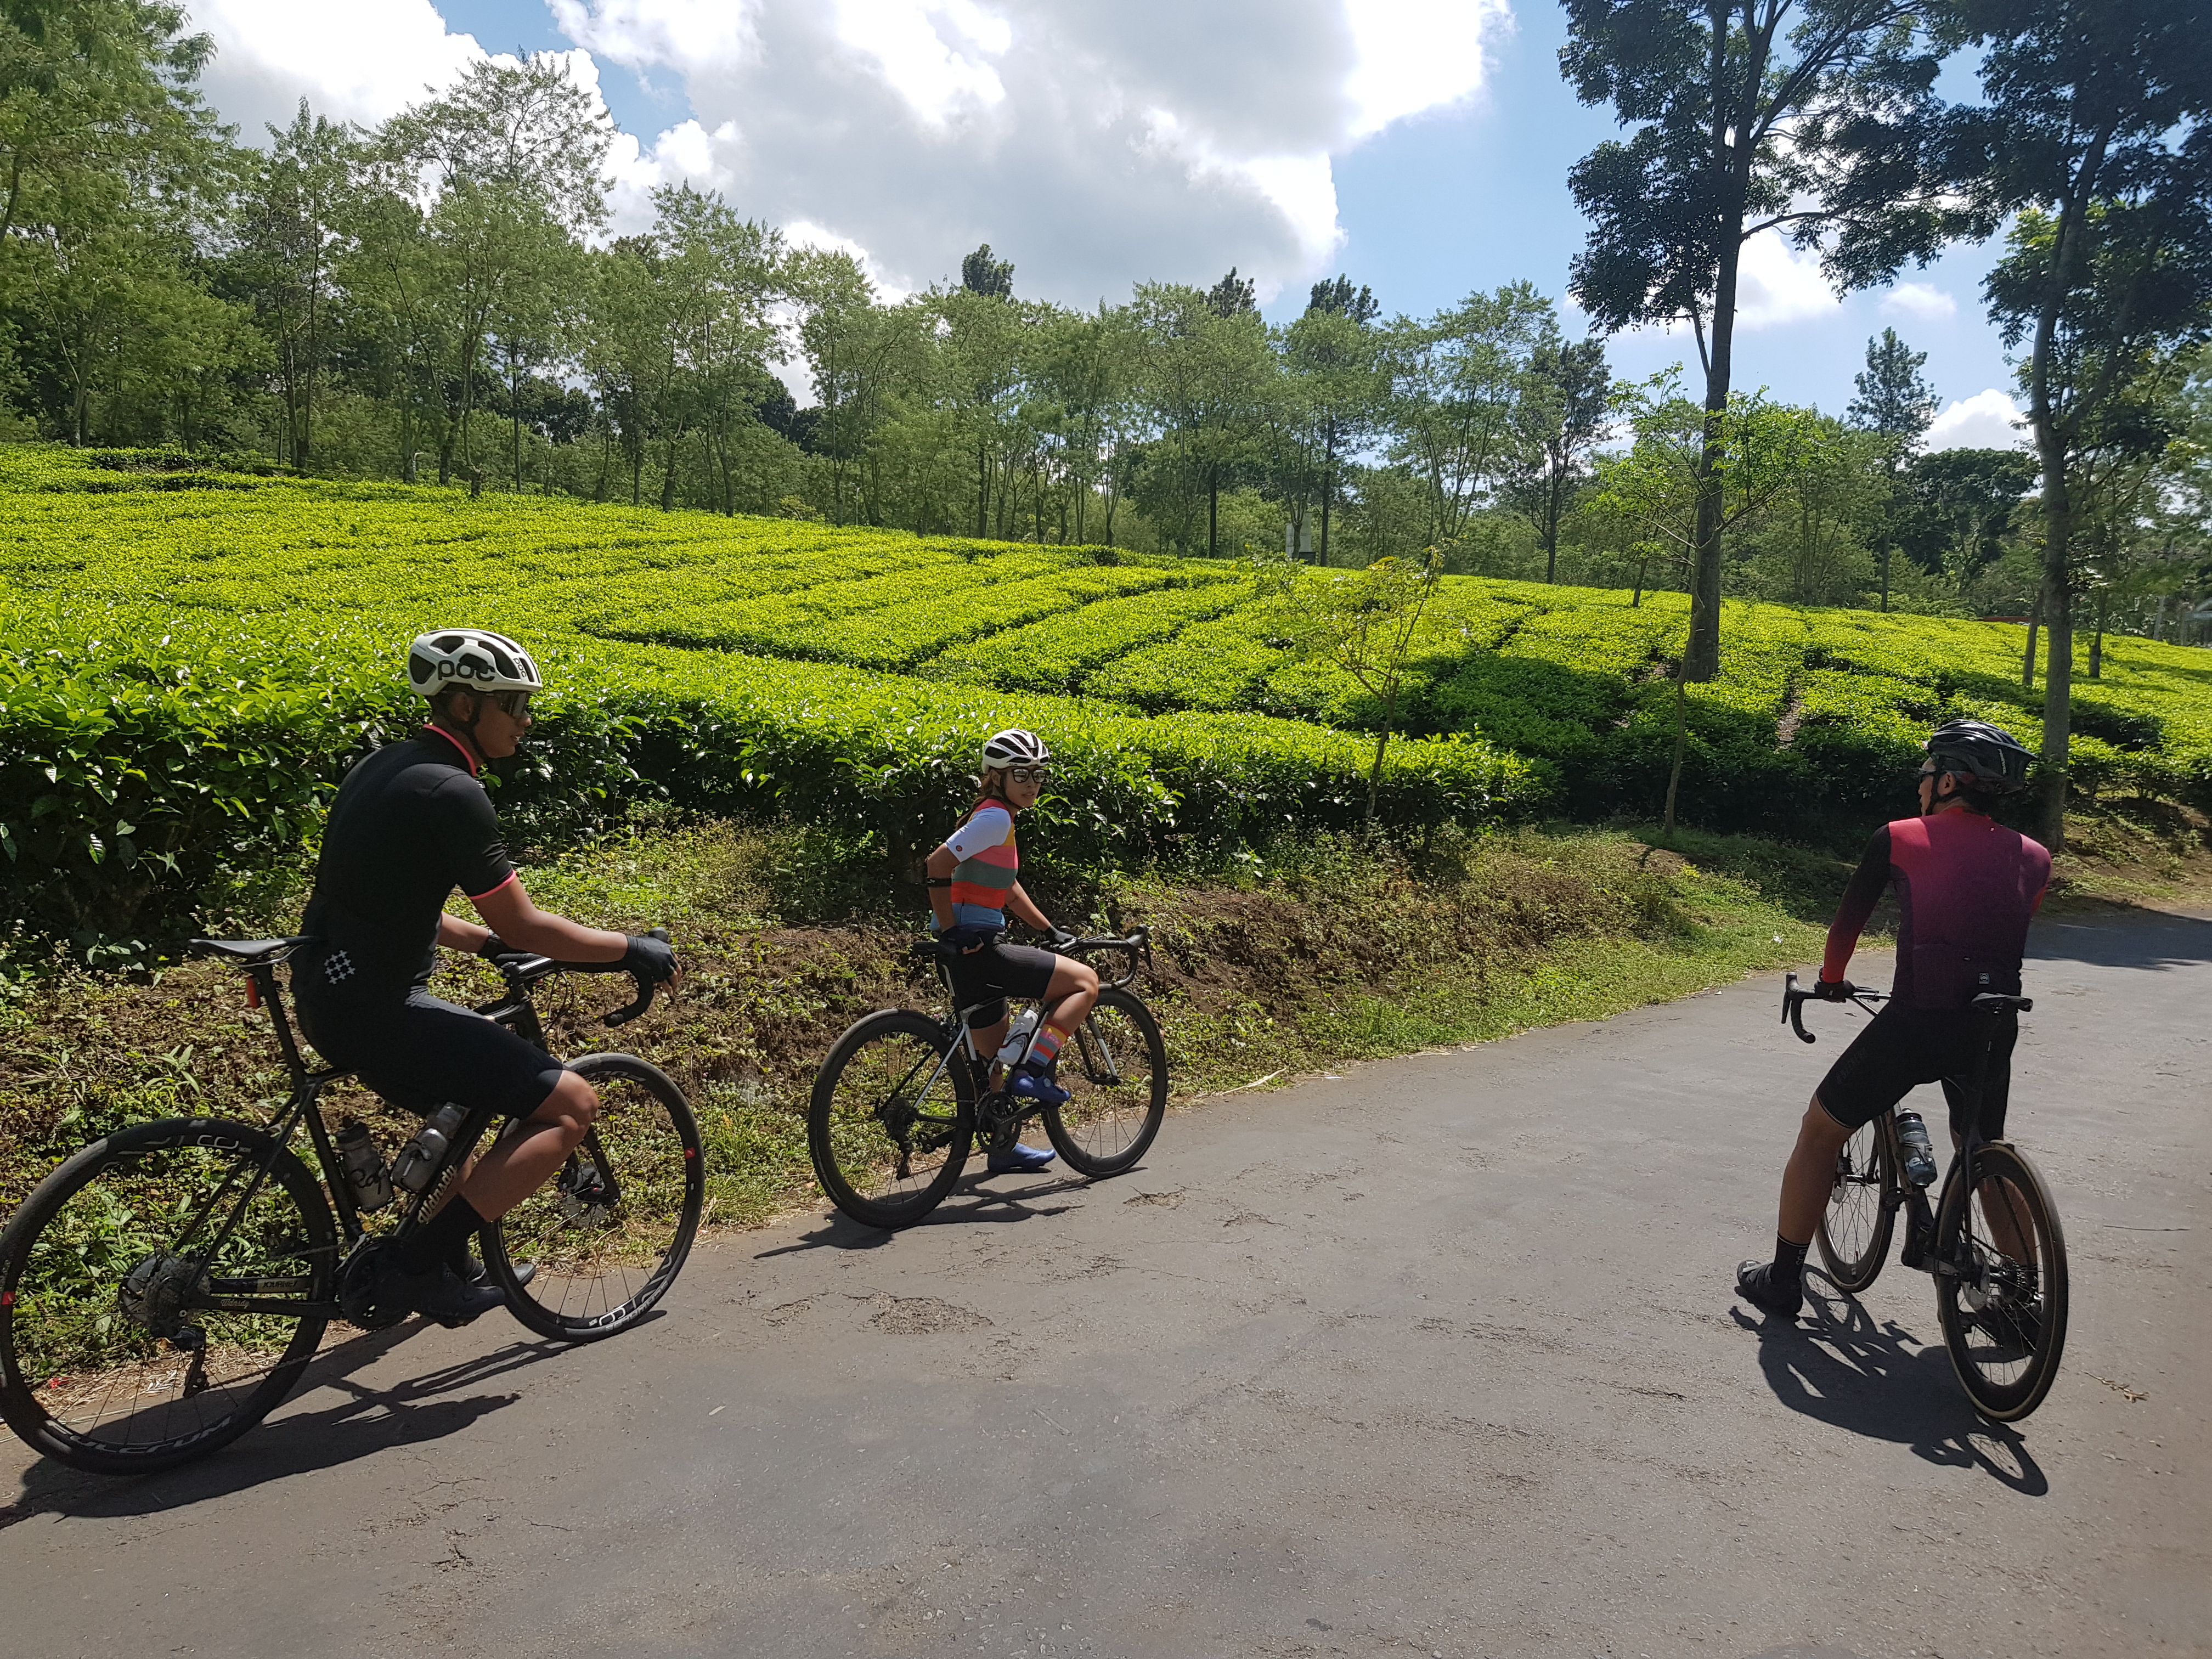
{"x": 989, "y": 866}
{"x": 1966, "y": 887}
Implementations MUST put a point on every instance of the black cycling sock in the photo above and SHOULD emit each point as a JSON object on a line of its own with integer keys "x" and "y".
{"x": 1789, "y": 1265}
{"x": 452, "y": 1226}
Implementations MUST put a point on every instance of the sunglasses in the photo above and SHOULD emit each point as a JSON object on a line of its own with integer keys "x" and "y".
{"x": 1037, "y": 774}
{"x": 515, "y": 704}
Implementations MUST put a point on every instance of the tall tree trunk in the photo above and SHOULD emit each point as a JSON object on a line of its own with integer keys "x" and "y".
{"x": 1551, "y": 525}
{"x": 1213, "y": 507}
{"x": 2027, "y": 658}
{"x": 983, "y": 492}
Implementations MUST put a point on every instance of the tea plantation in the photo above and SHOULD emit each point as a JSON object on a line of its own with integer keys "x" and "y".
{"x": 188, "y": 659}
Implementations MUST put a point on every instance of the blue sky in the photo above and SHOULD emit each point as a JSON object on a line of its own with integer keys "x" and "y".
{"x": 1420, "y": 145}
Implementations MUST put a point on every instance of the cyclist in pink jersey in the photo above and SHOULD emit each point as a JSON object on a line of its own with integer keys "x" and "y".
{"x": 975, "y": 879}
{"x": 1966, "y": 887}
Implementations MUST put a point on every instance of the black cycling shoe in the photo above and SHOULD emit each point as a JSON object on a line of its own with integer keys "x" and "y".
{"x": 477, "y": 1274}
{"x": 440, "y": 1294}
{"x": 1754, "y": 1283}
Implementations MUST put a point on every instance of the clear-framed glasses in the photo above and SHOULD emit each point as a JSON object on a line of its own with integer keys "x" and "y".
{"x": 1035, "y": 775}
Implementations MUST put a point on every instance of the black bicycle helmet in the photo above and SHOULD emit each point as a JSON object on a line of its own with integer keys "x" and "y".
{"x": 1985, "y": 757}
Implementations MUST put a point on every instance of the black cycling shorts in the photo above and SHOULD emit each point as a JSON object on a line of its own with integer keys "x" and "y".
{"x": 996, "y": 972}
{"x": 1903, "y": 1047}
{"x": 428, "y": 1051}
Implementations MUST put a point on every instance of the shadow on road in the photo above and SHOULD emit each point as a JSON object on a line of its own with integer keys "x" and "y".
{"x": 968, "y": 1203}
{"x": 363, "y": 1422}
{"x": 1878, "y": 1381}
{"x": 2150, "y": 939}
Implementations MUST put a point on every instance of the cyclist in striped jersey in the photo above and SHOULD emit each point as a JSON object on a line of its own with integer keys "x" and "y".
{"x": 975, "y": 879}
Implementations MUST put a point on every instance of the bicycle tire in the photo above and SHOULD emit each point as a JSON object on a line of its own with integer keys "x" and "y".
{"x": 862, "y": 1127}
{"x": 53, "y": 1315}
{"x": 1855, "y": 1229}
{"x": 1112, "y": 1114}
{"x": 1981, "y": 1338}
{"x": 601, "y": 1268}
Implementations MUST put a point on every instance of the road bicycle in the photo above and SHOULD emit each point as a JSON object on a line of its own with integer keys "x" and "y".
{"x": 163, "y": 1290}
{"x": 903, "y": 1094}
{"x": 1991, "y": 1241}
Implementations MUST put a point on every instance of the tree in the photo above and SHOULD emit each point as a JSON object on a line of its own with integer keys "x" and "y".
{"x": 1334, "y": 361}
{"x": 1665, "y": 483}
{"x": 1365, "y": 624}
{"x": 993, "y": 278}
{"x": 512, "y": 154}
{"x": 1959, "y": 502}
{"x": 2095, "y": 134}
{"x": 1748, "y": 116}
{"x": 1458, "y": 383}
{"x": 1339, "y": 299}
{"x": 1563, "y": 414}
{"x": 291, "y": 243}
{"x": 1896, "y": 404}
{"x": 1234, "y": 296}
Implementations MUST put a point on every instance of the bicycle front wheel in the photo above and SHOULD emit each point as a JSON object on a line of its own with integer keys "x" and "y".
{"x": 1854, "y": 1235}
{"x": 2001, "y": 1282}
{"x": 1117, "y": 1088}
{"x": 891, "y": 1118}
{"x": 610, "y": 1232}
{"x": 159, "y": 1294}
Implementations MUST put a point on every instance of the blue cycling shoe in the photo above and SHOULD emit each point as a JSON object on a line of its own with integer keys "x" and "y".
{"x": 1030, "y": 1083}
{"x": 1019, "y": 1159}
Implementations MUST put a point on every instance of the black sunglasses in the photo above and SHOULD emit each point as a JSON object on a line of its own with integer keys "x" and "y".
{"x": 1029, "y": 774}
{"x": 515, "y": 703}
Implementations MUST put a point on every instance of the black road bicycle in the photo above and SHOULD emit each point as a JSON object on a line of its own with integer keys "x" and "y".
{"x": 902, "y": 1095}
{"x": 1991, "y": 1241}
{"x": 164, "y": 1289}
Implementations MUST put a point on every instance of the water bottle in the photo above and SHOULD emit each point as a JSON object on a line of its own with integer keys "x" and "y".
{"x": 1018, "y": 1037}
{"x": 1919, "y": 1155}
{"x": 420, "y": 1156}
{"x": 364, "y": 1166}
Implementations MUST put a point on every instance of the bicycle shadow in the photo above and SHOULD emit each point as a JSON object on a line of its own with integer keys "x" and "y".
{"x": 363, "y": 1422}
{"x": 968, "y": 1203}
{"x": 1878, "y": 1381}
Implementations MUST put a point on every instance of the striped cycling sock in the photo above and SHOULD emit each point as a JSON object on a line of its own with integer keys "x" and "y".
{"x": 1045, "y": 1050}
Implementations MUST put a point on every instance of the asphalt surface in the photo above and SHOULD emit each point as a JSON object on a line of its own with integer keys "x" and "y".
{"x": 1439, "y": 1358}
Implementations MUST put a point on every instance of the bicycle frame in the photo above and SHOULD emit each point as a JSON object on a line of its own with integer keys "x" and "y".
{"x": 1899, "y": 1193}
{"x": 512, "y": 1009}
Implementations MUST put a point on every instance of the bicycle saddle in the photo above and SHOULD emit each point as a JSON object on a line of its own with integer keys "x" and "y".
{"x": 249, "y": 952}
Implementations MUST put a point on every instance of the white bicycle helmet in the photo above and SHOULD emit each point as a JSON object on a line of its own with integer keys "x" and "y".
{"x": 1014, "y": 747}
{"x": 474, "y": 659}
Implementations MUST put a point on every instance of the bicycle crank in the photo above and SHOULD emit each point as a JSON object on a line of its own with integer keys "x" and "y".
{"x": 361, "y": 1276}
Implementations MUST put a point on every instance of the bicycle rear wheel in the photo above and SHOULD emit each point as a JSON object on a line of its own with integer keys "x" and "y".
{"x": 891, "y": 1118}
{"x": 610, "y": 1232}
{"x": 2004, "y": 1311}
{"x": 1117, "y": 1088}
{"x": 1854, "y": 1235}
{"x": 158, "y": 1296}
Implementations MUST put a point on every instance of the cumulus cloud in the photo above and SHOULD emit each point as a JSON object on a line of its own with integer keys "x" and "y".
{"x": 1920, "y": 300}
{"x": 1985, "y": 421}
{"x": 1775, "y": 284}
{"x": 1059, "y": 130}
{"x": 360, "y": 62}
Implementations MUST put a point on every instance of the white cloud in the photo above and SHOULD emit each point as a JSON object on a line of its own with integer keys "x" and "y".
{"x": 637, "y": 34}
{"x": 359, "y": 62}
{"x": 1921, "y": 301}
{"x": 1065, "y": 132}
{"x": 1776, "y": 285}
{"x": 1416, "y": 55}
{"x": 1985, "y": 421}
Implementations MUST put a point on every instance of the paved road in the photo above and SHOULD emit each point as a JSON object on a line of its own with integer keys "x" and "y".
{"x": 1437, "y": 1358}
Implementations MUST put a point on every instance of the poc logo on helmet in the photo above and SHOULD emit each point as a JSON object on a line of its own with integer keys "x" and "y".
{"x": 476, "y": 657}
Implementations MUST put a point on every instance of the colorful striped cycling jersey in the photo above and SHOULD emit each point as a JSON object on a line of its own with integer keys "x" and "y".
{"x": 989, "y": 866}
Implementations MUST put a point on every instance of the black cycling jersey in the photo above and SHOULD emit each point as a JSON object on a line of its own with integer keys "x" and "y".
{"x": 410, "y": 823}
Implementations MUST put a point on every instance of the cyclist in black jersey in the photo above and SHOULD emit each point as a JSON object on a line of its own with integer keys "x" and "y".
{"x": 410, "y": 823}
